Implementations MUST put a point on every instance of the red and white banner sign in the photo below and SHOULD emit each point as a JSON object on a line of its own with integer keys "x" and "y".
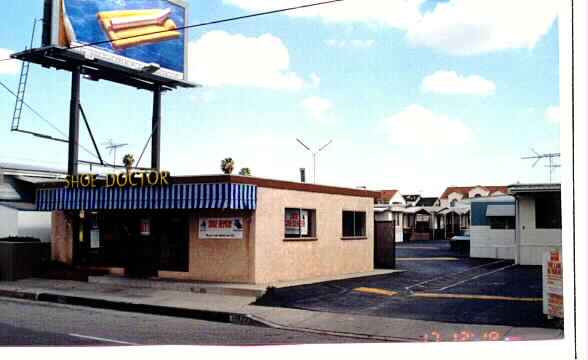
{"x": 220, "y": 228}
{"x": 553, "y": 284}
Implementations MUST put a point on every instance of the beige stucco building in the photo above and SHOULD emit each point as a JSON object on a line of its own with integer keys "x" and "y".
{"x": 214, "y": 228}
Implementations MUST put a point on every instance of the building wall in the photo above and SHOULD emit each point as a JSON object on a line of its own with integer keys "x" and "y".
{"x": 492, "y": 243}
{"x": 36, "y": 224}
{"x": 62, "y": 238}
{"x": 8, "y": 221}
{"x": 486, "y": 242}
{"x": 533, "y": 242}
{"x": 225, "y": 260}
{"x": 277, "y": 259}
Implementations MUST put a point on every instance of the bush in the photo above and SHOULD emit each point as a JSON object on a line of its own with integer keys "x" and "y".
{"x": 19, "y": 239}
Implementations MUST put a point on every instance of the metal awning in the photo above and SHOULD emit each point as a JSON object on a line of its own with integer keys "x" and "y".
{"x": 500, "y": 210}
{"x": 175, "y": 196}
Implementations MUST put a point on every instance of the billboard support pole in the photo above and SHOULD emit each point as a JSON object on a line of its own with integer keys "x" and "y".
{"x": 156, "y": 128}
{"x": 74, "y": 121}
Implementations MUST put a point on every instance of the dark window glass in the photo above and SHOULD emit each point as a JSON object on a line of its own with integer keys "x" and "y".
{"x": 548, "y": 211}
{"x": 354, "y": 223}
{"x": 502, "y": 222}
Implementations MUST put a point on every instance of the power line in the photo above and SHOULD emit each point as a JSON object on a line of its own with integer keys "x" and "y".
{"x": 195, "y": 25}
{"x": 44, "y": 119}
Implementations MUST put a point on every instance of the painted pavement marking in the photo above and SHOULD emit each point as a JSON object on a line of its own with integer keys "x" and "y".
{"x": 376, "y": 291}
{"x": 102, "y": 339}
{"x": 418, "y": 248}
{"x": 483, "y": 297}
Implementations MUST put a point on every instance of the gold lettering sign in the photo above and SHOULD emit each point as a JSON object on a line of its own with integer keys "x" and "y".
{"x": 133, "y": 178}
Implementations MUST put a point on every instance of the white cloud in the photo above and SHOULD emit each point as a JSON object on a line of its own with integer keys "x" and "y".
{"x": 362, "y": 43}
{"x": 553, "y": 114}
{"x": 10, "y": 66}
{"x": 467, "y": 27}
{"x": 219, "y": 58}
{"x": 353, "y": 43}
{"x": 395, "y": 13}
{"x": 462, "y": 27}
{"x": 449, "y": 82}
{"x": 416, "y": 125}
{"x": 208, "y": 96}
{"x": 315, "y": 80}
{"x": 317, "y": 108}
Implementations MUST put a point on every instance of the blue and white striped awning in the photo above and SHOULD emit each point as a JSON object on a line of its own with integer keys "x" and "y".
{"x": 175, "y": 196}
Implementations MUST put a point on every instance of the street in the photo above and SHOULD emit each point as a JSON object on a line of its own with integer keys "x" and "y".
{"x": 29, "y": 323}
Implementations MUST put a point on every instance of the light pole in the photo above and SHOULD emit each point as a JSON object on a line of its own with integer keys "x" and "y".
{"x": 314, "y": 157}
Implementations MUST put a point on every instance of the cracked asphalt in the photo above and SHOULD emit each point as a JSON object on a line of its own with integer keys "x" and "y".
{"x": 436, "y": 284}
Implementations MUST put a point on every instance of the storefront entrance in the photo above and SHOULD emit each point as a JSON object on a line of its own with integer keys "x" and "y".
{"x": 138, "y": 241}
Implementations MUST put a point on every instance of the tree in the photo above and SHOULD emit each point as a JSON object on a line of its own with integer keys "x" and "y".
{"x": 245, "y": 172}
{"x": 227, "y": 165}
{"x": 128, "y": 161}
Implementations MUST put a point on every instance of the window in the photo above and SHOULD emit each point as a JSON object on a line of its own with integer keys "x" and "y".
{"x": 353, "y": 223}
{"x": 502, "y": 222}
{"x": 548, "y": 211}
{"x": 300, "y": 223}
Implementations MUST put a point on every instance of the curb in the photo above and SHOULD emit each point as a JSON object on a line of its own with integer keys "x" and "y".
{"x": 207, "y": 315}
{"x": 332, "y": 333}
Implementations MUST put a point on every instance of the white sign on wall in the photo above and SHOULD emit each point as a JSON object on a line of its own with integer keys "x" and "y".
{"x": 221, "y": 228}
{"x": 94, "y": 239}
{"x": 296, "y": 222}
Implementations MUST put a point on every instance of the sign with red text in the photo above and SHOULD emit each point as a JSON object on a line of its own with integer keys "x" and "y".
{"x": 221, "y": 228}
{"x": 296, "y": 222}
{"x": 553, "y": 284}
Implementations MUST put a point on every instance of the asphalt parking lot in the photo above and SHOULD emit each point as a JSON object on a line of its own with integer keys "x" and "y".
{"x": 436, "y": 284}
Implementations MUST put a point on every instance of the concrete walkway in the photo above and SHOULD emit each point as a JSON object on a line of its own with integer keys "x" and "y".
{"x": 211, "y": 302}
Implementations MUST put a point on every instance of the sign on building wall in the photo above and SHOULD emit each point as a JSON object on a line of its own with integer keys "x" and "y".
{"x": 553, "y": 284}
{"x": 94, "y": 238}
{"x": 296, "y": 222}
{"x": 221, "y": 228}
{"x": 129, "y": 34}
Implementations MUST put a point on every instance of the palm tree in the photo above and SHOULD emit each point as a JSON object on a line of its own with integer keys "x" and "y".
{"x": 128, "y": 161}
{"x": 227, "y": 165}
{"x": 245, "y": 172}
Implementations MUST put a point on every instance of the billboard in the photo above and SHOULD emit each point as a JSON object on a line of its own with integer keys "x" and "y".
{"x": 138, "y": 35}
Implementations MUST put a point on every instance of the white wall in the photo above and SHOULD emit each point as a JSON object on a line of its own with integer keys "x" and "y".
{"x": 492, "y": 243}
{"x": 478, "y": 191}
{"x": 36, "y": 224}
{"x": 8, "y": 222}
{"x": 532, "y": 242}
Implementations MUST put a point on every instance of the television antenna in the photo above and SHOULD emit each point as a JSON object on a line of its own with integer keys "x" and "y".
{"x": 549, "y": 156}
{"x": 112, "y": 147}
{"x": 314, "y": 156}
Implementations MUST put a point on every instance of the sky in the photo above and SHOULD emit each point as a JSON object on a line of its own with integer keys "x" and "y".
{"x": 415, "y": 95}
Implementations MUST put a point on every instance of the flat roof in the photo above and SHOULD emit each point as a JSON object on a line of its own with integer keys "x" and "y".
{"x": 533, "y": 188}
{"x": 249, "y": 180}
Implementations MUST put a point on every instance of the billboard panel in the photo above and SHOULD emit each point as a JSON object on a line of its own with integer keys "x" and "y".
{"x": 135, "y": 34}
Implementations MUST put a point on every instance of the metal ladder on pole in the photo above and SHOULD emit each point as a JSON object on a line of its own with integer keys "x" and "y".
{"x": 22, "y": 85}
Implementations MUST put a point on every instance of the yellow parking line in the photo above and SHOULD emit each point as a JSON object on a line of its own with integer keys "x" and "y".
{"x": 427, "y": 258}
{"x": 484, "y": 297}
{"x": 418, "y": 247}
{"x": 376, "y": 291}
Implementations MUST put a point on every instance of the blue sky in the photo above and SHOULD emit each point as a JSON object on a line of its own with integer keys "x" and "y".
{"x": 416, "y": 95}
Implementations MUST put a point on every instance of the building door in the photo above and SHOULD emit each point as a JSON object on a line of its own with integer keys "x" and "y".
{"x": 384, "y": 245}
